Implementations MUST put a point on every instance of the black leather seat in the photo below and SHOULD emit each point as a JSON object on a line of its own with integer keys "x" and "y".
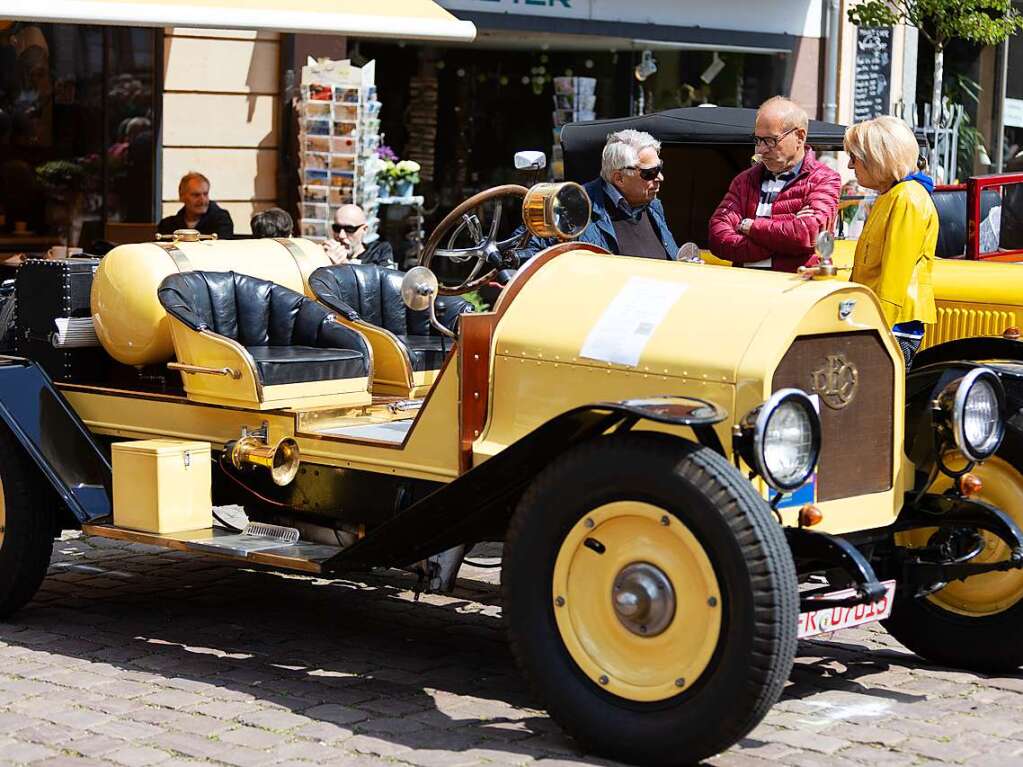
{"x": 952, "y": 217}
{"x": 290, "y": 338}
{"x": 372, "y": 294}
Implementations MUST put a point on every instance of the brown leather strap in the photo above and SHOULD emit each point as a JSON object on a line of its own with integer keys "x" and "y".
{"x": 302, "y": 260}
{"x": 180, "y": 259}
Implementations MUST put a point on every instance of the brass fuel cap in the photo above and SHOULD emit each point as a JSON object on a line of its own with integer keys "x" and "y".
{"x": 185, "y": 235}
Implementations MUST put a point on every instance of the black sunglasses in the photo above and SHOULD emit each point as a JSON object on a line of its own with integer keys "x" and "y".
{"x": 647, "y": 174}
{"x": 350, "y": 228}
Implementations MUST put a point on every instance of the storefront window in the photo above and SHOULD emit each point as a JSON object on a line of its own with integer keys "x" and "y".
{"x": 76, "y": 129}
{"x": 689, "y": 78}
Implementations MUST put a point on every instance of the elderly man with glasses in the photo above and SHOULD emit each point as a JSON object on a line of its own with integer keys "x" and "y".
{"x": 349, "y": 229}
{"x": 773, "y": 212}
{"x": 627, "y": 218}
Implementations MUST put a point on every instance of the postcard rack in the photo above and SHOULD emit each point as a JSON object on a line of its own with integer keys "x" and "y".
{"x": 339, "y": 133}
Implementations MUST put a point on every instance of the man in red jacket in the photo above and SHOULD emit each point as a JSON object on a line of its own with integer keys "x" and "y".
{"x": 773, "y": 212}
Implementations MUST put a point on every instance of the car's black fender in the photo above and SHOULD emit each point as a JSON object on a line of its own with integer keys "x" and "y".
{"x": 478, "y": 504}
{"x": 42, "y": 423}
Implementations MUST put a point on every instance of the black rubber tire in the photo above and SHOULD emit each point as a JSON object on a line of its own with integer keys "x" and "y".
{"x": 752, "y": 562}
{"x": 987, "y": 643}
{"x": 29, "y": 527}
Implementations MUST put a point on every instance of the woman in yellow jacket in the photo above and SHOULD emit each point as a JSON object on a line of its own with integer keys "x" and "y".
{"x": 895, "y": 252}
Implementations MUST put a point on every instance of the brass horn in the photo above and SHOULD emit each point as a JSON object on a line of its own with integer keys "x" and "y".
{"x": 251, "y": 450}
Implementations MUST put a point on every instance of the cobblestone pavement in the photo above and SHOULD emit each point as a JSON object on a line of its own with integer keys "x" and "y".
{"x": 137, "y": 656}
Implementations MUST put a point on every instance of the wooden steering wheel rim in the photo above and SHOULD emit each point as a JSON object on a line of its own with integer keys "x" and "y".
{"x": 452, "y": 219}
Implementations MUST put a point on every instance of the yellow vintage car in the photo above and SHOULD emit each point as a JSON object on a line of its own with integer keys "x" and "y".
{"x": 679, "y": 500}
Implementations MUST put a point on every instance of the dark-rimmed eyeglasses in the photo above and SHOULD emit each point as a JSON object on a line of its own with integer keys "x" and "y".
{"x": 647, "y": 174}
{"x": 770, "y": 142}
{"x": 349, "y": 228}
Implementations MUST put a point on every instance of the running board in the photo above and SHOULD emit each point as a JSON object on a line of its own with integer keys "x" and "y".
{"x": 252, "y": 549}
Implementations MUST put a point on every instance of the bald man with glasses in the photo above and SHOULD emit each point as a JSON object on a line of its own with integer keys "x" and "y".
{"x": 773, "y": 212}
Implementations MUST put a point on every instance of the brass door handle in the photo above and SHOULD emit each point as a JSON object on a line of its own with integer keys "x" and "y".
{"x": 235, "y": 374}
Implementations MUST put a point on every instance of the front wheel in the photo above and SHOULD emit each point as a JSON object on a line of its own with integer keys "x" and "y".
{"x": 651, "y": 598}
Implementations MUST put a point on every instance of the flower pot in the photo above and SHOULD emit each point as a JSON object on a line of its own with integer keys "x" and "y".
{"x": 402, "y": 188}
{"x": 384, "y": 189}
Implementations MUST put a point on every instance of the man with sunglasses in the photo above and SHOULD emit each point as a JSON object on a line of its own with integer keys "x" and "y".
{"x": 773, "y": 212}
{"x": 349, "y": 229}
{"x": 626, "y": 218}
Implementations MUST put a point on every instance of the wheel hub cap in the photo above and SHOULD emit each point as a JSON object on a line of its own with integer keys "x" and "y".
{"x": 643, "y": 599}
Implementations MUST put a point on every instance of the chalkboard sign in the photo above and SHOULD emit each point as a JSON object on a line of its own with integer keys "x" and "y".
{"x": 873, "y": 84}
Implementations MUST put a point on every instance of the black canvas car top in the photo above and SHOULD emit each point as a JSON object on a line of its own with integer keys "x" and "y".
{"x": 718, "y": 126}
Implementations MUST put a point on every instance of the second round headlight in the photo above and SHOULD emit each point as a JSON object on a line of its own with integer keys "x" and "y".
{"x": 975, "y": 405}
{"x": 786, "y": 439}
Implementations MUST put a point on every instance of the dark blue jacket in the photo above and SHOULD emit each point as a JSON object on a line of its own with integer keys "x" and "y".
{"x": 601, "y": 230}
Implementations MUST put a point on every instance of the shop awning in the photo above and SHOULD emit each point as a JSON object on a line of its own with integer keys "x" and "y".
{"x": 404, "y": 19}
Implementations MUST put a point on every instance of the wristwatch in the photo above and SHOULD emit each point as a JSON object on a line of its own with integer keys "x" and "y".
{"x": 745, "y": 225}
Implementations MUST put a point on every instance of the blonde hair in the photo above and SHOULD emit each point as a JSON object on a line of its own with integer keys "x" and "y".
{"x": 886, "y": 146}
{"x": 793, "y": 115}
{"x": 190, "y": 176}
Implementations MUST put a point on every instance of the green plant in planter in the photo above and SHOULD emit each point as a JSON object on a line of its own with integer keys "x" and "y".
{"x": 64, "y": 180}
{"x": 960, "y": 89}
{"x": 61, "y": 175}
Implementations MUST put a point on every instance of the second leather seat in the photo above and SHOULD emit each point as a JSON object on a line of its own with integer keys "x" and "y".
{"x": 408, "y": 352}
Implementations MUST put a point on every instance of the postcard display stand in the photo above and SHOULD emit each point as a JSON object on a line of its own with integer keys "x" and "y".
{"x": 575, "y": 100}
{"x": 339, "y": 135}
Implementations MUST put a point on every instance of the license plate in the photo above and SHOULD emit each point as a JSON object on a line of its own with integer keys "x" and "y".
{"x": 830, "y": 619}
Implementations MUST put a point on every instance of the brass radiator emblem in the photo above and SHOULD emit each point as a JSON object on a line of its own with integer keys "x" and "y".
{"x": 836, "y": 381}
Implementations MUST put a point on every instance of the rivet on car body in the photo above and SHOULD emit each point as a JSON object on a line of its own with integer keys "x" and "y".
{"x": 712, "y": 601}
{"x": 603, "y": 679}
{"x": 559, "y": 601}
{"x": 588, "y": 522}
{"x": 476, "y": 395}
{"x": 665, "y": 521}
{"x": 680, "y": 682}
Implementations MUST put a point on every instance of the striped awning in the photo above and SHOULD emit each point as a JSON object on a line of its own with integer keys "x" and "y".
{"x": 404, "y": 19}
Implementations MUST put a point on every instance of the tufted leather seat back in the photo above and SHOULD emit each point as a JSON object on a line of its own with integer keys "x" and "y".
{"x": 952, "y": 217}
{"x": 253, "y": 312}
{"x": 373, "y": 294}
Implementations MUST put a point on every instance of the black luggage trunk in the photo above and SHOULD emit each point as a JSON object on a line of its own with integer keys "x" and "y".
{"x": 46, "y": 290}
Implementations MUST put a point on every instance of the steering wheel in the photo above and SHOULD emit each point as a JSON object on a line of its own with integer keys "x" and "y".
{"x": 487, "y": 250}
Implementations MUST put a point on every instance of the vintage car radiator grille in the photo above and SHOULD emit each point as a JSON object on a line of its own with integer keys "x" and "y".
{"x": 957, "y": 322}
{"x": 854, "y": 378}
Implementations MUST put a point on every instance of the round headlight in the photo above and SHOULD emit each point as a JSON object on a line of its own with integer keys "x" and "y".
{"x": 977, "y": 413}
{"x": 786, "y": 439}
{"x": 560, "y": 210}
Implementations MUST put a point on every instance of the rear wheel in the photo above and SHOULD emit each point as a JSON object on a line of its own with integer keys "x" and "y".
{"x": 973, "y": 623}
{"x": 651, "y": 598}
{"x": 26, "y": 527}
